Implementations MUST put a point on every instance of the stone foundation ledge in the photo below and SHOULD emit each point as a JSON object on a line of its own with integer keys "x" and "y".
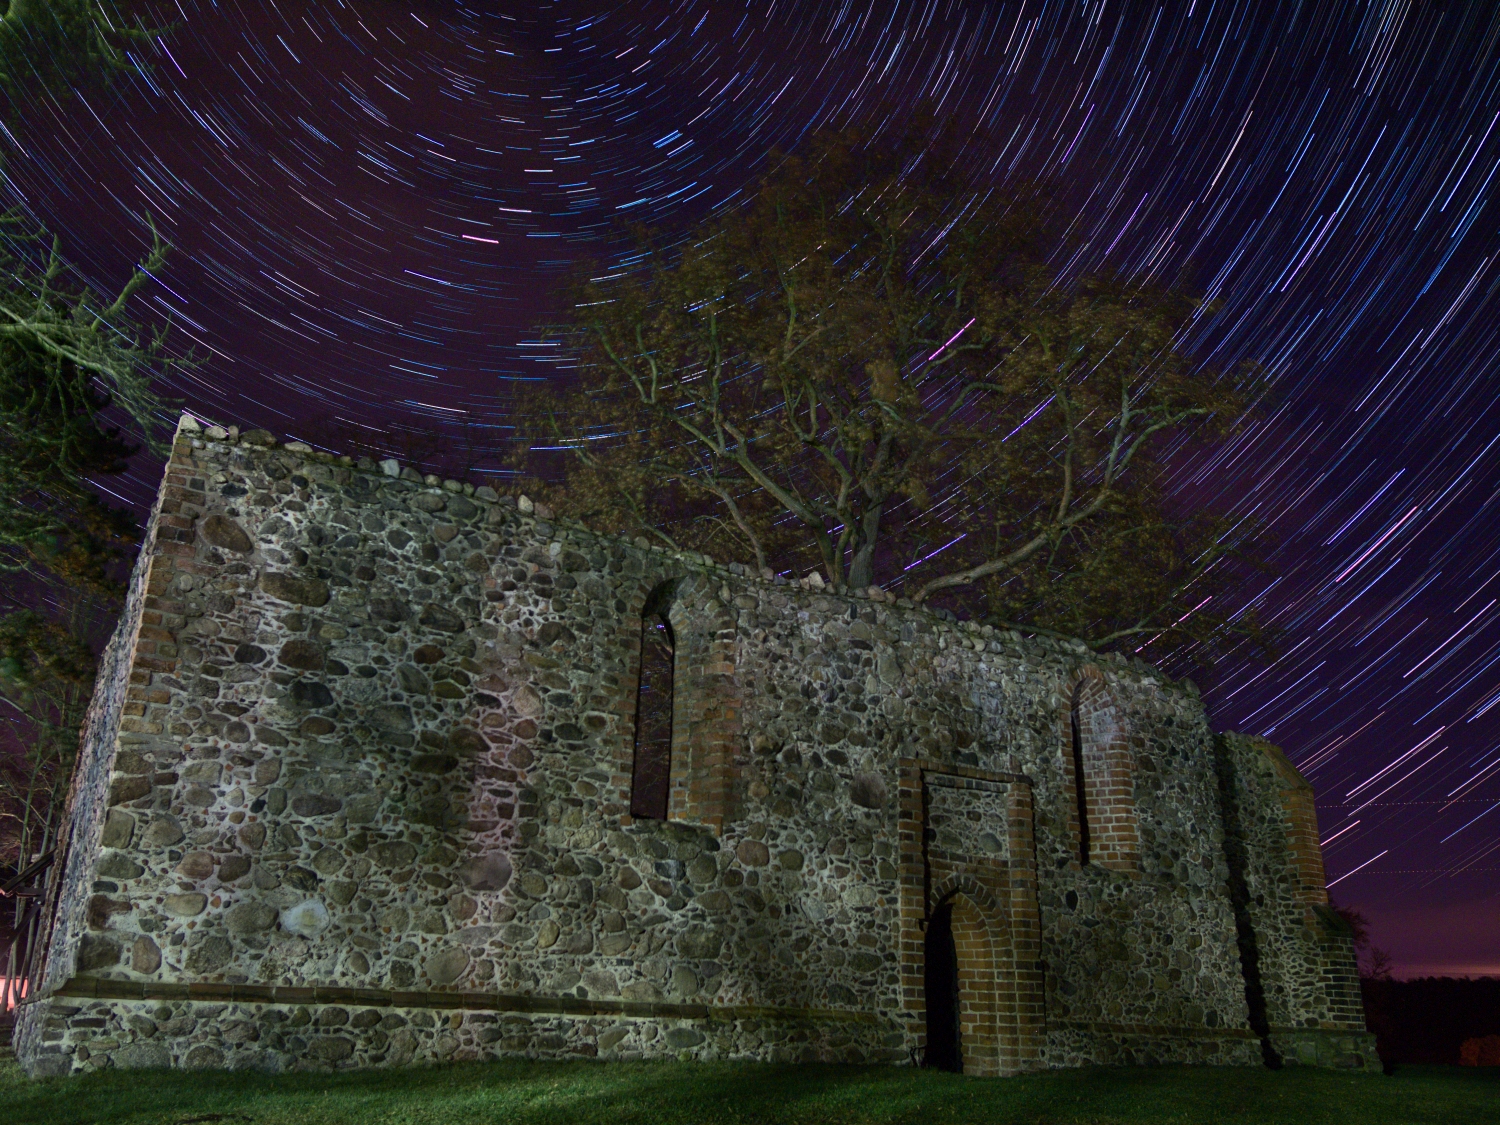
{"x": 1343, "y": 1049}
{"x": 1085, "y": 1043}
{"x": 63, "y": 1035}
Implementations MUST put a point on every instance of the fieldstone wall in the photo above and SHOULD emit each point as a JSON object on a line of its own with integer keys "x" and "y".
{"x": 1300, "y": 952}
{"x": 368, "y": 804}
{"x": 72, "y": 873}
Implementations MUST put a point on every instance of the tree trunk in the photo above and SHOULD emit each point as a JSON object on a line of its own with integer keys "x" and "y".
{"x": 862, "y": 565}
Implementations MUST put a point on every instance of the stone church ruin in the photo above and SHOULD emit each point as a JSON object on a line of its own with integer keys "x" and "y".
{"x": 383, "y": 770}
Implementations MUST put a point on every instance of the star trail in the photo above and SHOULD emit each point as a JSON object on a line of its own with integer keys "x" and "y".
{"x": 371, "y": 203}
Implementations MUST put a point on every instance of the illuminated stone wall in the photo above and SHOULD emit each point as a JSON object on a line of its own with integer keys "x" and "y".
{"x": 366, "y": 801}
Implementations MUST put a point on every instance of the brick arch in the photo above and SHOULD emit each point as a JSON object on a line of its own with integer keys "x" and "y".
{"x": 970, "y": 887}
{"x": 980, "y": 942}
{"x": 1101, "y": 810}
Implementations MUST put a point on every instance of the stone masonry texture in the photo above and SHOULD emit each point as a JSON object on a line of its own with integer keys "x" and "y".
{"x": 355, "y": 791}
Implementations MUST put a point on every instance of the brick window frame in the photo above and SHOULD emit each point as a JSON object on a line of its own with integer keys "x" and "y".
{"x": 1102, "y": 819}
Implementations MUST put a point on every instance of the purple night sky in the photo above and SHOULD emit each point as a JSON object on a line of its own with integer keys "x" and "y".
{"x": 371, "y": 203}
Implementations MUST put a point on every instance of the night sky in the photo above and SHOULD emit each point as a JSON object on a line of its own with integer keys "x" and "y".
{"x": 371, "y": 203}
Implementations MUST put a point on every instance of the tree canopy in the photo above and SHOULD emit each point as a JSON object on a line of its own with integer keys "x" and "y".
{"x": 877, "y": 371}
{"x": 53, "y": 45}
{"x": 78, "y": 399}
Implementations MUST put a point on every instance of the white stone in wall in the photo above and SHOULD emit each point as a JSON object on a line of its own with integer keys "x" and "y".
{"x": 306, "y": 919}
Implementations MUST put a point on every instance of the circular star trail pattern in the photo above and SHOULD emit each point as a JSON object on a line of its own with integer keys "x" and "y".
{"x": 371, "y": 202}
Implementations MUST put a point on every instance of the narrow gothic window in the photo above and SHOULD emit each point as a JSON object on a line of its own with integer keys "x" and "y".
{"x": 1103, "y": 762}
{"x": 1080, "y": 787}
{"x": 653, "y": 719}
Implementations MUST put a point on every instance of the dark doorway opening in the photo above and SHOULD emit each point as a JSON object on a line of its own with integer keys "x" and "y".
{"x": 944, "y": 1051}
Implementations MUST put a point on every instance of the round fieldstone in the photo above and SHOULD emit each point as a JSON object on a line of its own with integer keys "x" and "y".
{"x": 162, "y": 832}
{"x": 486, "y": 873}
{"x": 393, "y": 853}
{"x": 306, "y": 919}
{"x": 412, "y": 680}
{"x": 203, "y": 1057}
{"x": 316, "y": 804}
{"x": 441, "y": 618}
{"x": 301, "y": 653}
{"x": 387, "y": 608}
{"x": 220, "y": 531}
{"x": 123, "y": 789}
{"x": 119, "y": 828}
{"x": 186, "y": 905}
{"x": 299, "y": 591}
{"x": 311, "y": 694}
{"x": 233, "y": 867}
{"x": 868, "y": 790}
{"x": 253, "y": 836}
{"x": 145, "y": 957}
{"x": 527, "y": 702}
{"x": 250, "y": 918}
{"x": 117, "y": 865}
{"x": 209, "y": 954}
{"x": 462, "y": 740}
{"x": 301, "y": 878}
{"x": 197, "y": 865}
{"x": 392, "y": 718}
{"x": 752, "y": 853}
{"x": 95, "y": 951}
{"x": 144, "y": 1054}
{"x": 447, "y": 965}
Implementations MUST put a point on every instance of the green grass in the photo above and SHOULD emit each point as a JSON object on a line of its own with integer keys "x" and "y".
{"x": 522, "y": 1093}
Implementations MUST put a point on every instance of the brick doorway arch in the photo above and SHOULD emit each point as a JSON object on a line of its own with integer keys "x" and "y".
{"x": 962, "y": 990}
{"x": 968, "y": 867}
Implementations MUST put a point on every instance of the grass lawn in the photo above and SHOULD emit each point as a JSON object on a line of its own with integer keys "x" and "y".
{"x": 523, "y": 1093}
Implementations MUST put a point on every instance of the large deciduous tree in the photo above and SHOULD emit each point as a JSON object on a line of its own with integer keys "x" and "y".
{"x": 875, "y": 369}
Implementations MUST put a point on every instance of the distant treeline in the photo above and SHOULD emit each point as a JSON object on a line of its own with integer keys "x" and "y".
{"x": 1425, "y": 1021}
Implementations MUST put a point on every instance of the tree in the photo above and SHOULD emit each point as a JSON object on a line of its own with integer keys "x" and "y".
{"x": 872, "y": 369}
{"x": 70, "y": 359}
{"x": 54, "y": 44}
{"x": 47, "y": 677}
{"x": 67, "y": 357}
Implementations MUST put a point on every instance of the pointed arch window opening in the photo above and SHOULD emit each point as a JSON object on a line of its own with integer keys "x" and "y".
{"x": 651, "y": 777}
{"x": 1080, "y": 782}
